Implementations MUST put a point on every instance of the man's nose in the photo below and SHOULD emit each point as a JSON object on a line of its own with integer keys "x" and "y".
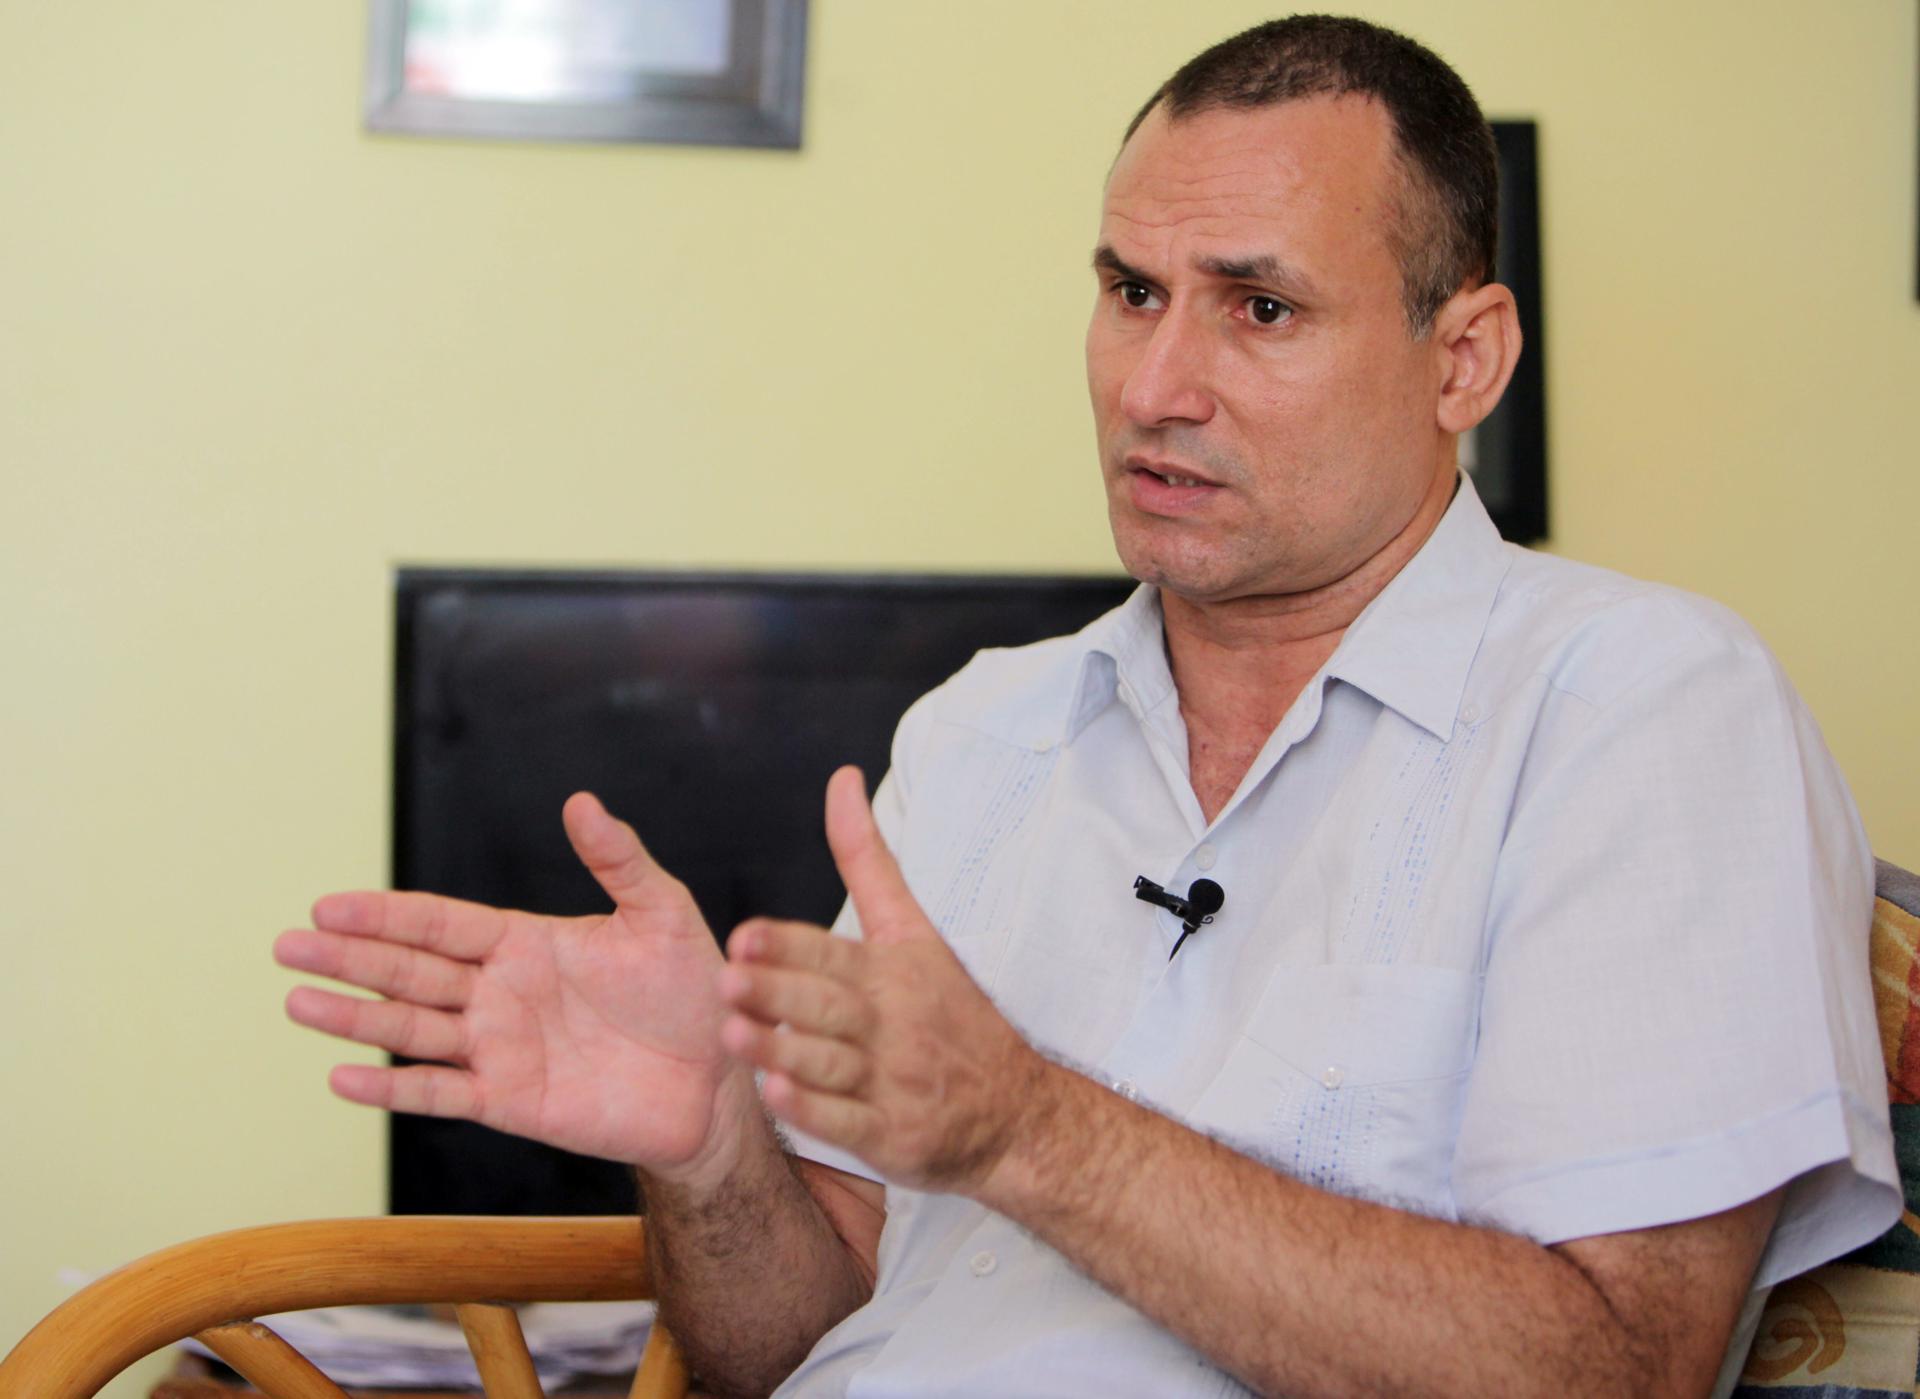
{"x": 1170, "y": 382}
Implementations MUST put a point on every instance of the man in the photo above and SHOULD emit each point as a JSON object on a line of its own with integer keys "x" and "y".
{"x": 1534, "y": 1033}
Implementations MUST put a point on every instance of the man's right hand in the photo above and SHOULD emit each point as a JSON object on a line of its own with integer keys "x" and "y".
{"x": 599, "y": 1035}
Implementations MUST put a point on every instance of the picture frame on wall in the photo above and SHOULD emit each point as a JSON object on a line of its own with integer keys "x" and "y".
{"x": 705, "y": 72}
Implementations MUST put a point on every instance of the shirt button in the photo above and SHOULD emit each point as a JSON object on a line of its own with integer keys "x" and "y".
{"x": 1205, "y": 857}
{"x": 1124, "y": 1087}
{"x": 1331, "y": 1077}
{"x": 983, "y": 1263}
{"x": 1468, "y": 713}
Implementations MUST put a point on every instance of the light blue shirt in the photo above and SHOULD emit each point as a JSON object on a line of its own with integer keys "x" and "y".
{"x": 1546, "y": 910}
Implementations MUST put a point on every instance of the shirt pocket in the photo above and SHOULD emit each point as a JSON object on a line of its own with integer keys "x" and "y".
{"x": 1351, "y": 1078}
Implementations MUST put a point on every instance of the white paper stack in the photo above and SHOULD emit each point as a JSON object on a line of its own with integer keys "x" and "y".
{"x": 401, "y": 1347}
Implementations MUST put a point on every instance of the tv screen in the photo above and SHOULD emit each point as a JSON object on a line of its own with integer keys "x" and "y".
{"x": 707, "y": 711}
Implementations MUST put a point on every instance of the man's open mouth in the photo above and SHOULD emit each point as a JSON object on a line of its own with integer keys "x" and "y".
{"x": 1171, "y": 478}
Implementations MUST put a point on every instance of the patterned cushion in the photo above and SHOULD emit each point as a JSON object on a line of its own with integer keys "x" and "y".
{"x": 1851, "y": 1329}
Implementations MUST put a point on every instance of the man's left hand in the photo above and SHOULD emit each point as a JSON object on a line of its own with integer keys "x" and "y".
{"x": 884, "y": 1047}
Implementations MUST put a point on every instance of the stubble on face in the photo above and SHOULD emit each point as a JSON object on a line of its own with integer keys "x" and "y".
{"x": 1317, "y": 438}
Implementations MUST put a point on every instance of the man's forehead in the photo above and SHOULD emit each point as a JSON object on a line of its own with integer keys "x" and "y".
{"x": 1321, "y": 164}
{"x": 1320, "y": 140}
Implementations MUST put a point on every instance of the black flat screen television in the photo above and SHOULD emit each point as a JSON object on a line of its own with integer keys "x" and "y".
{"x": 706, "y": 710}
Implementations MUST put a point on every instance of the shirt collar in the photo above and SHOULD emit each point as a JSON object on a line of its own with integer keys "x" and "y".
{"x": 1411, "y": 648}
{"x": 1125, "y": 658}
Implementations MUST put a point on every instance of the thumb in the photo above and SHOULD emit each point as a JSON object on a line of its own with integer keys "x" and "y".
{"x": 888, "y": 911}
{"x": 615, "y": 857}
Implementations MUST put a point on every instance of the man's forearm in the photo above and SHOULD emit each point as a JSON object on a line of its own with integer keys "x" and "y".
{"x": 1301, "y": 1292}
{"x": 749, "y": 1267}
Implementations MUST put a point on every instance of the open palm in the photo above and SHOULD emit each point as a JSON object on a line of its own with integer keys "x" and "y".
{"x": 599, "y": 1035}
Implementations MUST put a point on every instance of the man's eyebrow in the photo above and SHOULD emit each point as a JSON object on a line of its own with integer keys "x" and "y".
{"x": 1105, "y": 259}
{"x": 1262, "y": 268}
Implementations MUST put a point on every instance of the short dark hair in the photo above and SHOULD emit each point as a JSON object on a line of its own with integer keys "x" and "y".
{"x": 1445, "y": 224}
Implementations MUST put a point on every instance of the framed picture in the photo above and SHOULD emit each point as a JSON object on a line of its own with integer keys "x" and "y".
{"x": 712, "y": 72}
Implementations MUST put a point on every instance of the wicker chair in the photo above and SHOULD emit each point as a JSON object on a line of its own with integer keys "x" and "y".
{"x": 212, "y": 1288}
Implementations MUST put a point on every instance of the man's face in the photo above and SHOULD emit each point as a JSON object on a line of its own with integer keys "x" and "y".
{"x": 1266, "y": 422}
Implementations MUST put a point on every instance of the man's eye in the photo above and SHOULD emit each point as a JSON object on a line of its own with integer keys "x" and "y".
{"x": 1268, "y": 310}
{"x": 1135, "y": 295}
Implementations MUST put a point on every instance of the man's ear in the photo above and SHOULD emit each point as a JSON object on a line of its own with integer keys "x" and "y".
{"x": 1477, "y": 334}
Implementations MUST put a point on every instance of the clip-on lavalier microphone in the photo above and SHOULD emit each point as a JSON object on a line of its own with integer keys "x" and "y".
{"x": 1203, "y": 900}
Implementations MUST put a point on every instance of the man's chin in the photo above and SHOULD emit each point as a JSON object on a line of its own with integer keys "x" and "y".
{"x": 1208, "y": 580}
{"x": 1195, "y": 565}
{"x": 1195, "y": 581}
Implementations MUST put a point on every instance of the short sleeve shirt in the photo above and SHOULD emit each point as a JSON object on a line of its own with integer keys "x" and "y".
{"x": 1546, "y": 910}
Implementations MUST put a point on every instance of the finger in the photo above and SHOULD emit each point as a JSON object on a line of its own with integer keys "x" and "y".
{"x": 399, "y": 972}
{"x": 807, "y": 1001}
{"x": 832, "y": 1066}
{"x": 423, "y": 1088}
{"x": 888, "y": 911}
{"x": 843, "y": 1122}
{"x": 795, "y": 946}
{"x": 450, "y": 927}
{"x": 613, "y": 855}
{"x": 403, "y": 1029}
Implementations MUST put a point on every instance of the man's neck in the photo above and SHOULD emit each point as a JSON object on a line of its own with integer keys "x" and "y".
{"x": 1239, "y": 665}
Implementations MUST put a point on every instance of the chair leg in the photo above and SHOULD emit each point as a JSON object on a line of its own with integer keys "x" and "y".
{"x": 500, "y": 1350}
{"x": 663, "y": 1368}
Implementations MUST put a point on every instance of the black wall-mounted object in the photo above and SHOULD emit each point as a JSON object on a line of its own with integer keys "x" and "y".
{"x": 1508, "y": 452}
{"x": 706, "y": 710}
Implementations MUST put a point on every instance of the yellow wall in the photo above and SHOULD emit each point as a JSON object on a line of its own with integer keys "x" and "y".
{"x": 251, "y": 357}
